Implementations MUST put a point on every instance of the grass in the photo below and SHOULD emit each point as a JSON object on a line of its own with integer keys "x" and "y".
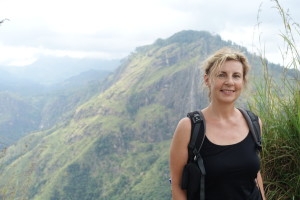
{"x": 278, "y": 105}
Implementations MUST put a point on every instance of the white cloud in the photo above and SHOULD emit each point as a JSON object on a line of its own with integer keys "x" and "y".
{"x": 17, "y": 56}
{"x": 22, "y": 56}
{"x": 112, "y": 29}
{"x": 76, "y": 54}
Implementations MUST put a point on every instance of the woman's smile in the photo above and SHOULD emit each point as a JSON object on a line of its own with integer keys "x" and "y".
{"x": 227, "y": 92}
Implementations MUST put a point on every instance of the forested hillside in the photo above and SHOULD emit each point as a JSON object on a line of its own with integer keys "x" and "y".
{"x": 116, "y": 143}
{"x": 27, "y": 106}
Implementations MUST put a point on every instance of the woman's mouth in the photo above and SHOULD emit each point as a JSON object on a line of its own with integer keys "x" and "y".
{"x": 228, "y": 91}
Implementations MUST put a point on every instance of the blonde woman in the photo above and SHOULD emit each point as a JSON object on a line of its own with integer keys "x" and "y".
{"x": 228, "y": 151}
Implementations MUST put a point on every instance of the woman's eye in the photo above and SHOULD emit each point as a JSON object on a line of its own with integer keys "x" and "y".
{"x": 221, "y": 75}
{"x": 236, "y": 76}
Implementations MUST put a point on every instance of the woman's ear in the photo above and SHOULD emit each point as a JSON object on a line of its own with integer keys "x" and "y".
{"x": 206, "y": 80}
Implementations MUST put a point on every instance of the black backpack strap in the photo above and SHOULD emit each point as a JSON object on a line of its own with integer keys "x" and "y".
{"x": 196, "y": 120}
{"x": 198, "y": 133}
{"x": 196, "y": 141}
{"x": 202, "y": 178}
{"x": 253, "y": 124}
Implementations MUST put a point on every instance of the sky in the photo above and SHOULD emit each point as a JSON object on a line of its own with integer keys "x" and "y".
{"x": 112, "y": 29}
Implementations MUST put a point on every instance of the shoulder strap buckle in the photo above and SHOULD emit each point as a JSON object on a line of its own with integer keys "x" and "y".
{"x": 195, "y": 117}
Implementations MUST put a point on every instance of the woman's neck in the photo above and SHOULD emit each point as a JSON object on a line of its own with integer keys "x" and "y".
{"x": 219, "y": 111}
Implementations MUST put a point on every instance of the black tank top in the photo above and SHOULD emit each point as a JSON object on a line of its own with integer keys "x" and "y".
{"x": 231, "y": 170}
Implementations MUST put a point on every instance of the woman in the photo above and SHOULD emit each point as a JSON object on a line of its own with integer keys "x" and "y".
{"x": 231, "y": 164}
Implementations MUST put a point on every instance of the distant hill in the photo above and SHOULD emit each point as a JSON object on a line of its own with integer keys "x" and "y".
{"x": 18, "y": 85}
{"x": 116, "y": 144}
{"x": 49, "y": 70}
{"x": 26, "y": 106}
{"x": 17, "y": 117}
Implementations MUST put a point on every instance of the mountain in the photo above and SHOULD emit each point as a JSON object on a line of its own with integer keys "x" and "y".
{"x": 17, "y": 117}
{"x": 59, "y": 101}
{"x": 49, "y": 70}
{"x": 18, "y": 85}
{"x": 84, "y": 78}
{"x": 27, "y": 107}
{"x": 116, "y": 143}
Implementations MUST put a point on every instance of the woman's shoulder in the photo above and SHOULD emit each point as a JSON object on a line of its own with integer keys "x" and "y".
{"x": 181, "y": 136}
{"x": 185, "y": 124}
{"x": 183, "y": 129}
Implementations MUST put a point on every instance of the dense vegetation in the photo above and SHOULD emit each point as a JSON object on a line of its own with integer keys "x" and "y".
{"x": 27, "y": 106}
{"x": 278, "y": 104}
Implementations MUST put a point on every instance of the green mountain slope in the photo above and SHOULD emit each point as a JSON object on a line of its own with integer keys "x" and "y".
{"x": 116, "y": 144}
{"x": 59, "y": 101}
{"x": 25, "y": 108}
{"x": 17, "y": 117}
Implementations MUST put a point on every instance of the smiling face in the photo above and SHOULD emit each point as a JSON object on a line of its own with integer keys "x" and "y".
{"x": 226, "y": 83}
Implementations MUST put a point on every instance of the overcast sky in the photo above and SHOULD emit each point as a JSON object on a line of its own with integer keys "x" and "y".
{"x": 109, "y": 29}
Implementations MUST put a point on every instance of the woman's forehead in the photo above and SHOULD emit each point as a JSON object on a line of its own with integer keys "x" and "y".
{"x": 232, "y": 66}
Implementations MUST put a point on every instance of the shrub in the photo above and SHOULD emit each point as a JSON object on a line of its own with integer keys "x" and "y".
{"x": 277, "y": 102}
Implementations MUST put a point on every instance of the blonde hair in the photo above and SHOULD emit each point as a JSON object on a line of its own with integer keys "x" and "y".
{"x": 213, "y": 63}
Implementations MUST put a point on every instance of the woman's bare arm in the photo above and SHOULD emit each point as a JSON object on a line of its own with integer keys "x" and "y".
{"x": 179, "y": 157}
{"x": 259, "y": 177}
{"x": 261, "y": 185}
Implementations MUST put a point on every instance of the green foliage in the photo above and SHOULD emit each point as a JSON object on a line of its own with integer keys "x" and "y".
{"x": 138, "y": 100}
{"x": 281, "y": 141}
{"x": 79, "y": 185}
{"x": 18, "y": 117}
{"x": 22, "y": 114}
{"x": 278, "y": 104}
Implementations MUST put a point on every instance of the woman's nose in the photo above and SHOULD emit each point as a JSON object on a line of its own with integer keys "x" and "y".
{"x": 229, "y": 81}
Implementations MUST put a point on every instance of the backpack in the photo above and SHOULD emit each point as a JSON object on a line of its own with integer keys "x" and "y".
{"x": 195, "y": 167}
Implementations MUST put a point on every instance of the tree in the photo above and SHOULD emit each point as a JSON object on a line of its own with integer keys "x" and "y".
{"x": 3, "y": 20}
